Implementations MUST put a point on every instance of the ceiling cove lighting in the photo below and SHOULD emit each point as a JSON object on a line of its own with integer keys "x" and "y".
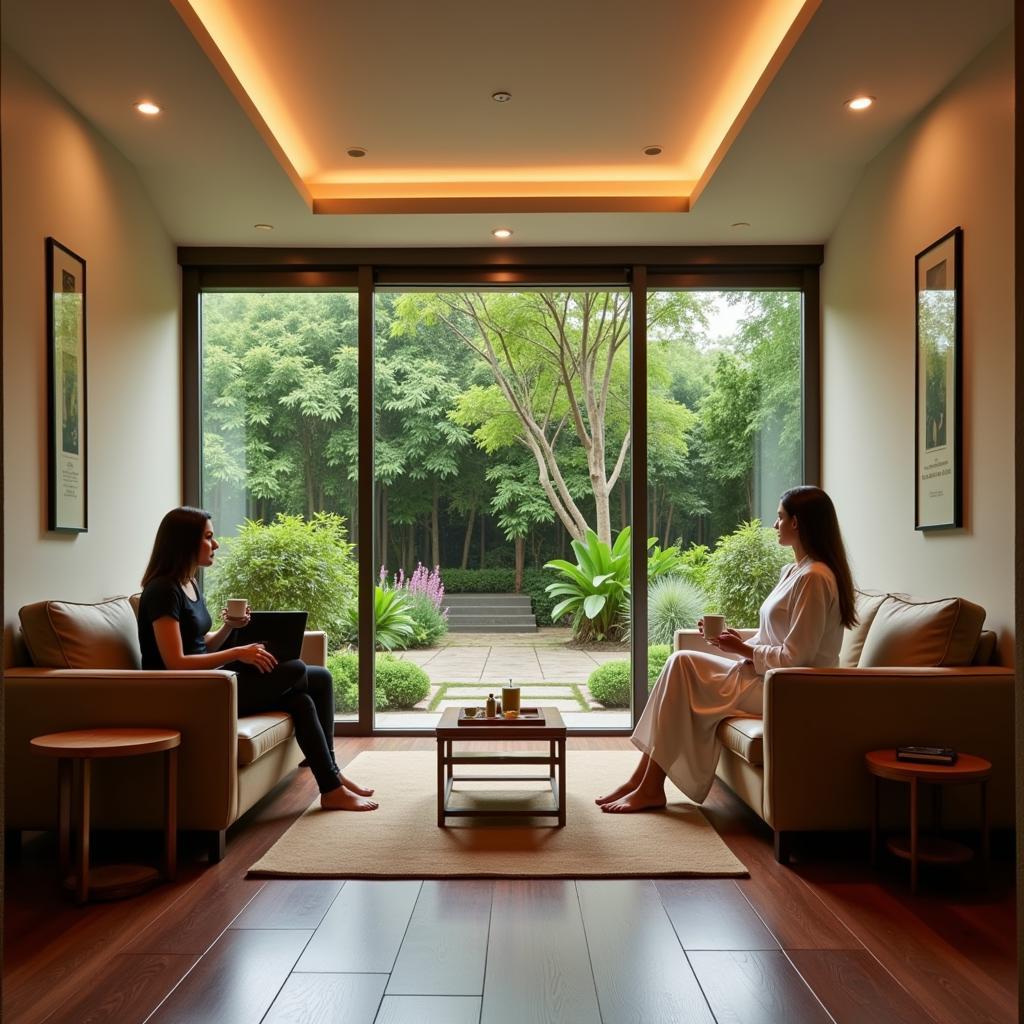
{"x": 860, "y": 102}
{"x": 502, "y": 232}
{"x": 148, "y": 108}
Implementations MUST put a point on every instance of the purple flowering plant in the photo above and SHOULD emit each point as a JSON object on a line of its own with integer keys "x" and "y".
{"x": 423, "y": 582}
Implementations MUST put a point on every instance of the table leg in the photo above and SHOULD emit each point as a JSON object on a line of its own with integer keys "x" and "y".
{"x": 561, "y": 784}
{"x": 64, "y": 815}
{"x": 876, "y": 782}
{"x": 937, "y": 809}
{"x": 985, "y": 847}
{"x": 84, "y": 779}
{"x": 171, "y": 811}
{"x": 913, "y": 836}
{"x": 440, "y": 783}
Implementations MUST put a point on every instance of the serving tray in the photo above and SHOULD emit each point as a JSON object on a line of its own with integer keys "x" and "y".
{"x": 527, "y": 716}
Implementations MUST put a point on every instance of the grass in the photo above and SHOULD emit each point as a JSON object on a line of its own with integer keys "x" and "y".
{"x": 450, "y": 691}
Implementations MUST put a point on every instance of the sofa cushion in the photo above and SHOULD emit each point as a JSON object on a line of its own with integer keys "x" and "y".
{"x": 923, "y": 633}
{"x": 259, "y": 733}
{"x": 63, "y": 634}
{"x": 868, "y": 602}
{"x": 744, "y": 736}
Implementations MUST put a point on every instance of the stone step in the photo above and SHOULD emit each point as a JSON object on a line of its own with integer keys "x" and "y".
{"x": 487, "y": 601}
{"x": 492, "y": 619}
{"x": 491, "y": 629}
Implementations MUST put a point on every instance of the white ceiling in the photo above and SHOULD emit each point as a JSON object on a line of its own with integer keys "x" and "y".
{"x": 788, "y": 173}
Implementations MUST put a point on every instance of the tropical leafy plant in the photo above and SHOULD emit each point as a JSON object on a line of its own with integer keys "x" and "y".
{"x": 595, "y": 591}
{"x": 290, "y": 563}
{"x": 393, "y": 621}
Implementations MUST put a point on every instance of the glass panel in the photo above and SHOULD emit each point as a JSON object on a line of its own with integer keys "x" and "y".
{"x": 724, "y": 441}
{"x": 279, "y": 459}
{"x": 502, "y": 434}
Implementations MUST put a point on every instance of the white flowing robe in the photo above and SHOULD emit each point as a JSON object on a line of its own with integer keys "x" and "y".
{"x": 799, "y": 627}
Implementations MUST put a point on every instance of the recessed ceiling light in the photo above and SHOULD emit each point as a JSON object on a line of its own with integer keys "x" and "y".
{"x": 264, "y": 227}
{"x": 147, "y": 108}
{"x": 502, "y": 232}
{"x": 860, "y": 102}
{"x": 652, "y": 150}
{"x": 356, "y": 151}
{"x": 501, "y": 96}
{"x": 741, "y": 224}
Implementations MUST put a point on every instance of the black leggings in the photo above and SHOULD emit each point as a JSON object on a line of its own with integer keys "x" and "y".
{"x": 306, "y": 692}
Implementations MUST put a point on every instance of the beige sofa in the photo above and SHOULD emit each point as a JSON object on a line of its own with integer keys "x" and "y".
{"x": 911, "y": 672}
{"x": 84, "y": 672}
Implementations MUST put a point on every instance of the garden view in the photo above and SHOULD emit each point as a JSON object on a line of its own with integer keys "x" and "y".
{"x": 502, "y": 460}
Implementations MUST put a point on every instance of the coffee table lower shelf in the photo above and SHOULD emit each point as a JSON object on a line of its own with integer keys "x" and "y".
{"x": 551, "y": 730}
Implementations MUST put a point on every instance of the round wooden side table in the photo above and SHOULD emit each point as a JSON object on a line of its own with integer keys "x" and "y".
{"x": 882, "y": 764}
{"x": 79, "y": 749}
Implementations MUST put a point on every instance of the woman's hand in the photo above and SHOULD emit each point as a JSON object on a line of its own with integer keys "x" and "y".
{"x": 731, "y": 642}
{"x": 256, "y": 655}
{"x": 239, "y": 623}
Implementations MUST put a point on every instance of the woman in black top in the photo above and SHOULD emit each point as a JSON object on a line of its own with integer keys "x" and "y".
{"x": 175, "y": 633}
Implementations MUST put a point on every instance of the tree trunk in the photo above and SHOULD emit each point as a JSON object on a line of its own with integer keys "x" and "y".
{"x": 483, "y": 537}
{"x": 623, "y": 505}
{"x": 520, "y": 543}
{"x": 654, "y": 511}
{"x": 435, "y": 534}
{"x": 469, "y": 536}
{"x": 383, "y": 525}
{"x": 411, "y": 550}
{"x": 668, "y": 522}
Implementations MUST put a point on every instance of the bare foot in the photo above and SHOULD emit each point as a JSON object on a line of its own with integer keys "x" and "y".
{"x": 638, "y": 800}
{"x": 620, "y": 791}
{"x": 350, "y": 785}
{"x": 341, "y": 799}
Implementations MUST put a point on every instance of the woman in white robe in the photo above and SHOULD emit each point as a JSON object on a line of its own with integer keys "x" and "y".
{"x": 801, "y": 624}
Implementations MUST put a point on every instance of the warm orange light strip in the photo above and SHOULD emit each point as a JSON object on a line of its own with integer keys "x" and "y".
{"x": 489, "y": 196}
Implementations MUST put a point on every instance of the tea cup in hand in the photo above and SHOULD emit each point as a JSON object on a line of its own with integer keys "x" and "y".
{"x": 237, "y": 611}
{"x": 713, "y": 626}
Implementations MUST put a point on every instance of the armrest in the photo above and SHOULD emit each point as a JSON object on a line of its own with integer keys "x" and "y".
{"x": 691, "y": 640}
{"x": 314, "y": 647}
{"x": 819, "y": 723}
{"x": 201, "y": 705}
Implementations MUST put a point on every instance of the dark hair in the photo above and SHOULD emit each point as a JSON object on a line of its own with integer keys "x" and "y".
{"x": 818, "y": 526}
{"x": 176, "y": 547}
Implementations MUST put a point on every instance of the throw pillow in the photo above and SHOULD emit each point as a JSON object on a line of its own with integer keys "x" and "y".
{"x": 924, "y": 633}
{"x": 868, "y": 602}
{"x": 63, "y": 634}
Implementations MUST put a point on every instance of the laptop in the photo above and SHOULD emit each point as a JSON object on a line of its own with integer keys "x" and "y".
{"x": 280, "y": 632}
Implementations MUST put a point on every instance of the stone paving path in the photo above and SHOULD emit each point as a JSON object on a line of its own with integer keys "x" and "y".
{"x": 495, "y": 658}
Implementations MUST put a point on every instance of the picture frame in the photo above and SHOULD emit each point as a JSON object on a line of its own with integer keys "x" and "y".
{"x": 66, "y": 390}
{"x": 938, "y": 372}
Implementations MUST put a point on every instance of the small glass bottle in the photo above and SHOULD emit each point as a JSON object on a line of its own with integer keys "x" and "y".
{"x": 490, "y": 706}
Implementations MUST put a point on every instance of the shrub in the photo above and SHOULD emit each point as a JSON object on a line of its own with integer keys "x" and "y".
{"x": 400, "y": 684}
{"x": 428, "y": 624}
{"x": 290, "y": 563}
{"x": 694, "y": 565}
{"x": 672, "y": 603}
{"x": 657, "y": 655}
{"x": 610, "y": 684}
{"x": 744, "y": 568}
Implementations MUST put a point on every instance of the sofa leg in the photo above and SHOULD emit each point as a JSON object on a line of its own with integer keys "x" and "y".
{"x": 783, "y": 846}
{"x": 216, "y": 843}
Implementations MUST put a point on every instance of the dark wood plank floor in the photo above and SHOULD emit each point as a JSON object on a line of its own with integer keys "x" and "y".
{"x": 826, "y": 939}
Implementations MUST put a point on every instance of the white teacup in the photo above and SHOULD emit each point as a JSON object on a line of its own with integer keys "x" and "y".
{"x": 236, "y": 608}
{"x": 713, "y": 626}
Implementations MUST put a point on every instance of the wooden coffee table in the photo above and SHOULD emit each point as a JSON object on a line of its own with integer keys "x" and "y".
{"x": 80, "y": 748}
{"x": 882, "y": 764}
{"x": 552, "y": 730}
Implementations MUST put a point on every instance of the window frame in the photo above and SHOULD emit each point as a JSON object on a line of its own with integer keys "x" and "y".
{"x": 640, "y": 268}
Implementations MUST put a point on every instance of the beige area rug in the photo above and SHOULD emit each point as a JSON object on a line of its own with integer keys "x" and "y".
{"x": 401, "y": 839}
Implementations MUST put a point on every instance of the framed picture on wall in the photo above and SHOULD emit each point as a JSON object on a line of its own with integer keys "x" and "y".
{"x": 66, "y": 378}
{"x": 938, "y": 403}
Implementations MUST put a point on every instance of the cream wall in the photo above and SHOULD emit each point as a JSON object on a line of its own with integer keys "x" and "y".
{"x": 61, "y": 178}
{"x": 952, "y": 166}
